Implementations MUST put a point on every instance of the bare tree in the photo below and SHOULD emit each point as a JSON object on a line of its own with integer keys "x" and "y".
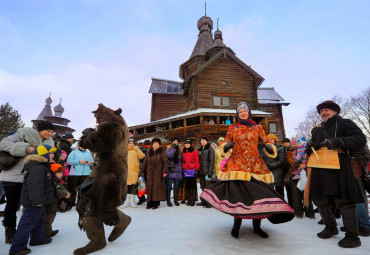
{"x": 360, "y": 112}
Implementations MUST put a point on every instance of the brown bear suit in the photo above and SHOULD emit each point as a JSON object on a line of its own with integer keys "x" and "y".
{"x": 106, "y": 187}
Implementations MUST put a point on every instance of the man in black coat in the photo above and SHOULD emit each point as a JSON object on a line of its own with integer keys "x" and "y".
{"x": 206, "y": 162}
{"x": 333, "y": 185}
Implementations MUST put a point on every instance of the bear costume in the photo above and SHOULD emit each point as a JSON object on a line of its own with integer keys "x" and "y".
{"x": 105, "y": 189}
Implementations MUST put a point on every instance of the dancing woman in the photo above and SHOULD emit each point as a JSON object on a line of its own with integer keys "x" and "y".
{"x": 244, "y": 191}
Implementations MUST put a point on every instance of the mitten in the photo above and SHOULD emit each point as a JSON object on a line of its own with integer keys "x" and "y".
{"x": 268, "y": 148}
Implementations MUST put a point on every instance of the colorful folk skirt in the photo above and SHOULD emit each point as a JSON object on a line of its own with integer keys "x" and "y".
{"x": 248, "y": 200}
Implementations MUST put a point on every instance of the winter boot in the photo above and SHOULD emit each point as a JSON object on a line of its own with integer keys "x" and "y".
{"x": 350, "y": 241}
{"x": 21, "y": 252}
{"x": 95, "y": 233}
{"x": 141, "y": 200}
{"x": 193, "y": 193}
{"x": 168, "y": 195}
{"x": 257, "y": 229}
{"x": 349, "y": 216}
{"x": 363, "y": 231}
{"x": 175, "y": 197}
{"x": 328, "y": 218}
{"x": 236, "y": 227}
{"x": 118, "y": 229}
{"x": 328, "y": 232}
{"x": 126, "y": 203}
{"x": 187, "y": 195}
{"x": 132, "y": 200}
{"x": 9, "y": 235}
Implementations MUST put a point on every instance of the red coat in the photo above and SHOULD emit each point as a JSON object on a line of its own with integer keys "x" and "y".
{"x": 190, "y": 159}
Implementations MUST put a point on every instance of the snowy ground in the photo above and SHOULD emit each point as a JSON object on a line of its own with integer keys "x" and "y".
{"x": 188, "y": 230}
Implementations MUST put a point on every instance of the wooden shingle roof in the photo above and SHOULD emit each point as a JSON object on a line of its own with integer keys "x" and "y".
{"x": 161, "y": 86}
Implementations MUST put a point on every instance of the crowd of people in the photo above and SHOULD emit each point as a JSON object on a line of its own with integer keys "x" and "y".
{"x": 243, "y": 175}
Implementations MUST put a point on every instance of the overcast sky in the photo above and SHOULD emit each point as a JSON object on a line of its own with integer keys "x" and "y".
{"x": 102, "y": 51}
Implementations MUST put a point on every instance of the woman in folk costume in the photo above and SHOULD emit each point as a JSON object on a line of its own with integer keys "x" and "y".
{"x": 244, "y": 191}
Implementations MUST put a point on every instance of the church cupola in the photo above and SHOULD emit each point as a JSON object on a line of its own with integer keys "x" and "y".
{"x": 58, "y": 110}
{"x": 205, "y": 40}
{"x": 218, "y": 38}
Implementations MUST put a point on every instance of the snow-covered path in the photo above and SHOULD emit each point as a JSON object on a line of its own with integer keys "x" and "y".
{"x": 188, "y": 230}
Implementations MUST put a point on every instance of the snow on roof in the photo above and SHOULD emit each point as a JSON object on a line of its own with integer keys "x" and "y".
{"x": 163, "y": 140}
{"x": 204, "y": 110}
{"x": 269, "y": 96}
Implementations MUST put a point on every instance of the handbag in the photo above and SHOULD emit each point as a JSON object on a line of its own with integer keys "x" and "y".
{"x": 7, "y": 161}
{"x": 190, "y": 173}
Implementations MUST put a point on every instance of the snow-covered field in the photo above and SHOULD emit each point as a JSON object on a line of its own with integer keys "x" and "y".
{"x": 188, "y": 230}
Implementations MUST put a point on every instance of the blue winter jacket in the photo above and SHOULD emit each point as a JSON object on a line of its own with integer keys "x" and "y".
{"x": 77, "y": 168}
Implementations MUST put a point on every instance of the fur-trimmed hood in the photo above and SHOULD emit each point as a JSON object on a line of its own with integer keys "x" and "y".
{"x": 34, "y": 157}
{"x": 155, "y": 152}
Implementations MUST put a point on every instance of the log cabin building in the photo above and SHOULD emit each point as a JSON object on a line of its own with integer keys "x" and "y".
{"x": 215, "y": 80}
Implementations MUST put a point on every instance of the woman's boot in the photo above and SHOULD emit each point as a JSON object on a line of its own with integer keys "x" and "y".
{"x": 192, "y": 197}
{"x": 132, "y": 201}
{"x": 258, "y": 230}
{"x": 126, "y": 203}
{"x": 168, "y": 194}
{"x": 236, "y": 227}
{"x": 175, "y": 197}
{"x": 187, "y": 196}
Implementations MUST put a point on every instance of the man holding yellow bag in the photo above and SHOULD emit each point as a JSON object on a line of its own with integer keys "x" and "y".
{"x": 336, "y": 186}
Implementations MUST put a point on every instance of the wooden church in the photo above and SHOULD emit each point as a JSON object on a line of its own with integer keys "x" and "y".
{"x": 215, "y": 80}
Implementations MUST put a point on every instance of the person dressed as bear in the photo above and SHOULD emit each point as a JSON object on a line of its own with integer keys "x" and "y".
{"x": 105, "y": 189}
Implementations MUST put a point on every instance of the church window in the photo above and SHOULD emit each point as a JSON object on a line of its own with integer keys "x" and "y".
{"x": 272, "y": 127}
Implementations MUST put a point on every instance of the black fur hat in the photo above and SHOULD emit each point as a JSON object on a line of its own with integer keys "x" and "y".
{"x": 187, "y": 141}
{"x": 205, "y": 138}
{"x": 328, "y": 104}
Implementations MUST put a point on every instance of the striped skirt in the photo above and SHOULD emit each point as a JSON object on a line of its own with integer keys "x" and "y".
{"x": 248, "y": 200}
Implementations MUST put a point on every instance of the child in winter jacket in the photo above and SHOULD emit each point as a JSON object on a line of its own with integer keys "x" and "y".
{"x": 37, "y": 192}
{"x": 62, "y": 192}
{"x": 61, "y": 158}
{"x": 300, "y": 155}
{"x": 51, "y": 209}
